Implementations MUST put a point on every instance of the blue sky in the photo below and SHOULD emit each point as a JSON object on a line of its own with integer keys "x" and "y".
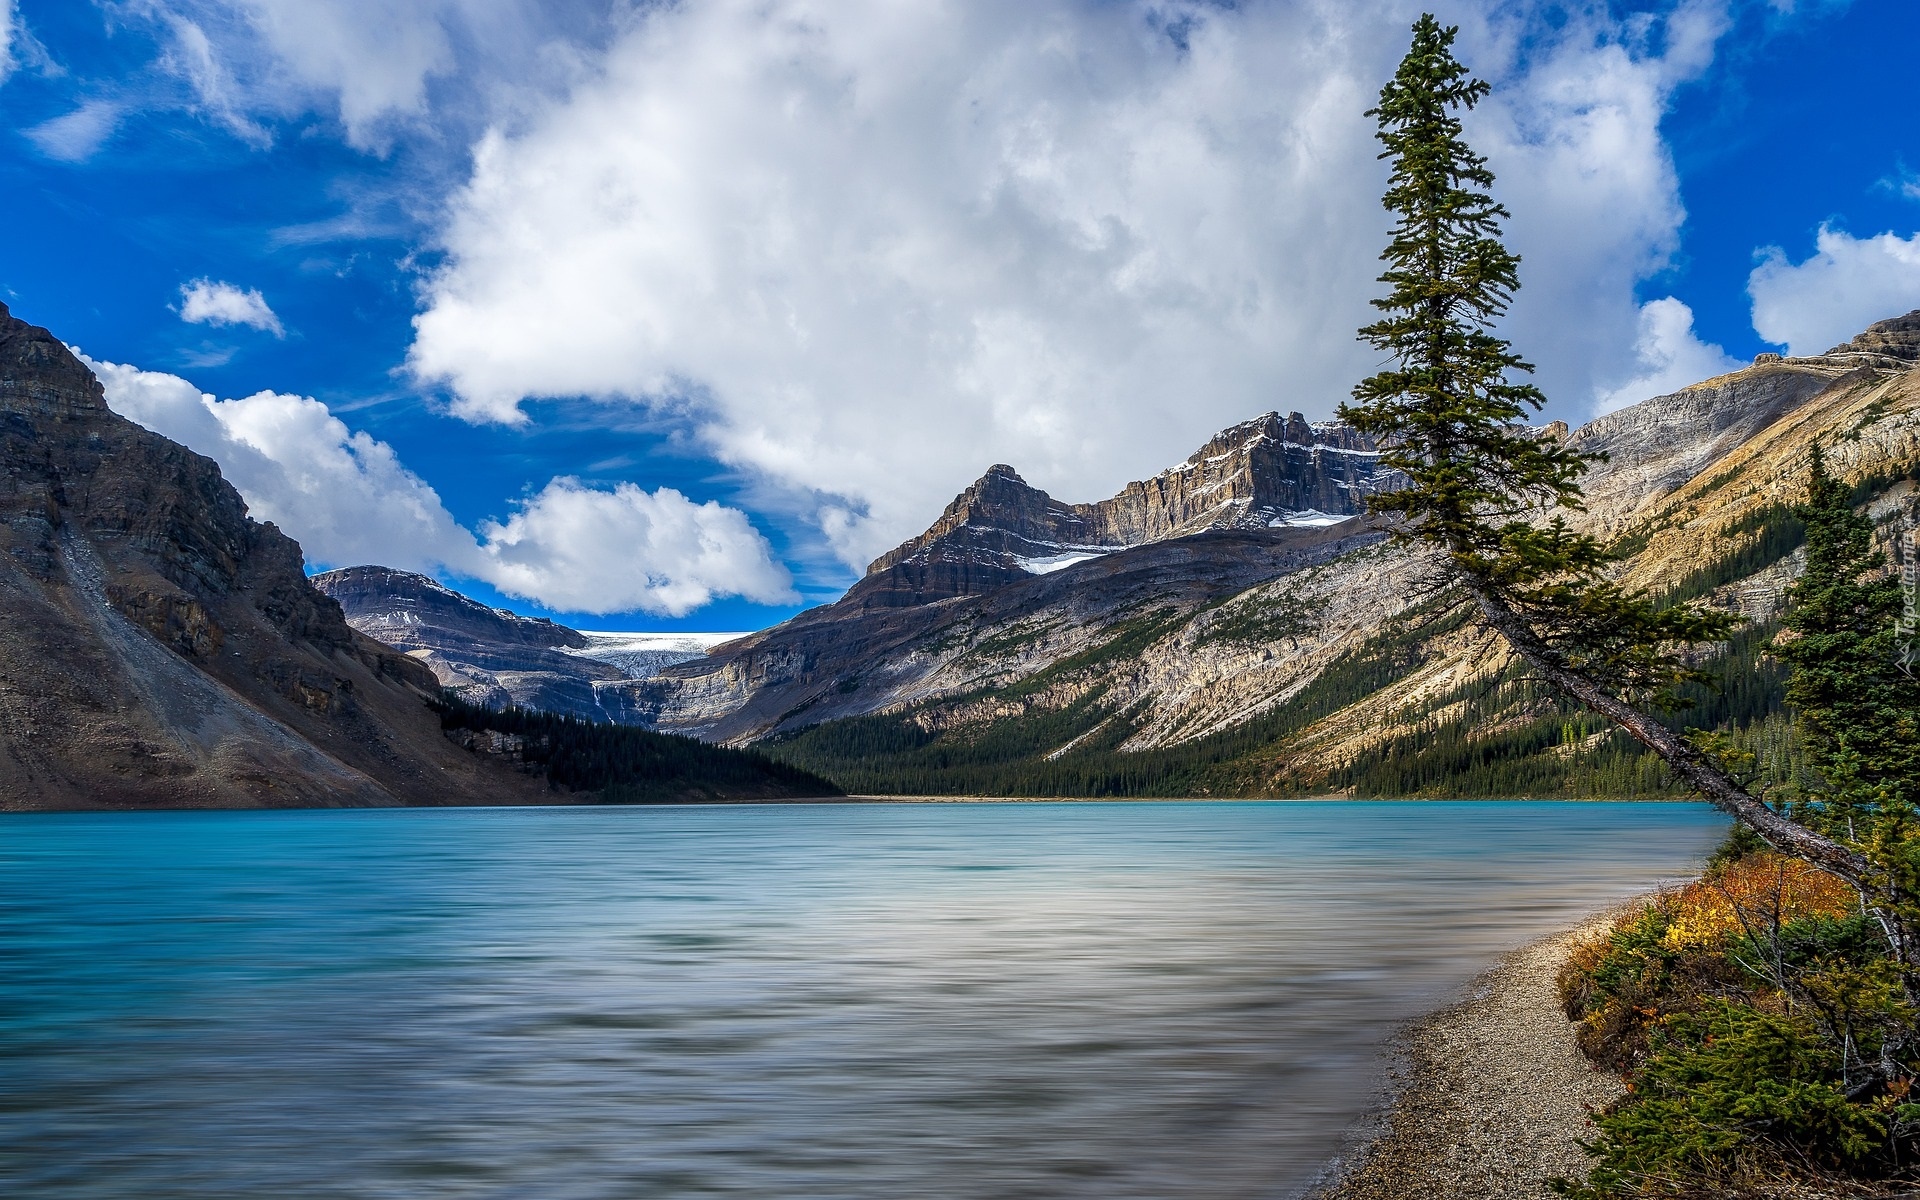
{"x": 670, "y": 318}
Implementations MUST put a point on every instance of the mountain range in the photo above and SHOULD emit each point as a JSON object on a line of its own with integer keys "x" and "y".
{"x": 1235, "y": 626}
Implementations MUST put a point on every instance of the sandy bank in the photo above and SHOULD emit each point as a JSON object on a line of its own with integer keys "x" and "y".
{"x": 1492, "y": 1096}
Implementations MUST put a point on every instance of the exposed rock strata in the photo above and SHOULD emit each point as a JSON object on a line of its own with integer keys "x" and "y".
{"x": 1258, "y": 474}
{"x": 161, "y": 649}
{"x": 490, "y": 656}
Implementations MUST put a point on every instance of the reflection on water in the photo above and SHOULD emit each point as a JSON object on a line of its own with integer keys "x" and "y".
{"x": 1046, "y": 1000}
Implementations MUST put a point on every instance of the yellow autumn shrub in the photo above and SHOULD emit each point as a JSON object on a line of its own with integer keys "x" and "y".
{"x": 1759, "y": 891}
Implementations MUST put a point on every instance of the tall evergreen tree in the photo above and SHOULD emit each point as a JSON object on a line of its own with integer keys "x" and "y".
{"x": 1858, "y": 707}
{"x": 1488, "y": 494}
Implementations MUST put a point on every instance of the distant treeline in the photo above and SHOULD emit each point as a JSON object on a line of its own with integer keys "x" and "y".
{"x": 629, "y": 765}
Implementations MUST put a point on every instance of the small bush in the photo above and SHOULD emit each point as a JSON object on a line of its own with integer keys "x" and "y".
{"x": 1725, "y": 1083}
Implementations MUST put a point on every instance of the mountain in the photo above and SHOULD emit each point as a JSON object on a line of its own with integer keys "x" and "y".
{"x": 1340, "y": 666}
{"x": 1265, "y": 473}
{"x": 161, "y": 649}
{"x": 492, "y": 657}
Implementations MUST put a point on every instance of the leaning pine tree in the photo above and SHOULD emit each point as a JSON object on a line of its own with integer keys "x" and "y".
{"x": 1490, "y": 496}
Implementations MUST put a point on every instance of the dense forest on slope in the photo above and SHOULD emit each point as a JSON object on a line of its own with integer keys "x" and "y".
{"x": 627, "y": 765}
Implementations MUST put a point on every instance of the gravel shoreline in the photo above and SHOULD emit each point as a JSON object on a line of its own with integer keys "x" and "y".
{"x": 1490, "y": 1097}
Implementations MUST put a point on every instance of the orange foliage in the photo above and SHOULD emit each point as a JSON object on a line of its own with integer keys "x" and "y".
{"x": 1756, "y": 892}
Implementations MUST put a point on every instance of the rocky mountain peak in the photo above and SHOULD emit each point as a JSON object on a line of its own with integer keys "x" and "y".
{"x": 39, "y": 377}
{"x": 391, "y": 606}
{"x": 1267, "y": 472}
{"x": 1893, "y": 344}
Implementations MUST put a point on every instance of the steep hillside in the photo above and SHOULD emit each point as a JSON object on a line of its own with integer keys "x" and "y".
{"x": 160, "y": 649}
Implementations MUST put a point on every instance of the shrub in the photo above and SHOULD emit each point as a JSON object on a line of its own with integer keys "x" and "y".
{"x": 1727, "y": 1083}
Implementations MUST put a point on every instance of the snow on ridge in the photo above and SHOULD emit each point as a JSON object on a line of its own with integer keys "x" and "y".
{"x": 1048, "y": 564}
{"x": 1311, "y": 518}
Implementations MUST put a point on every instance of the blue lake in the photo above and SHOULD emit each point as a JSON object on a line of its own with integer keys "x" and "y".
{"x": 833, "y": 1001}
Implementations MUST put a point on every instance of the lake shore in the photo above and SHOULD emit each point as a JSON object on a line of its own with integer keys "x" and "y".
{"x": 1489, "y": 1098}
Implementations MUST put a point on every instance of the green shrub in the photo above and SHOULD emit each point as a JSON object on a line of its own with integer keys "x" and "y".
{"x": 1723, "y": 1083}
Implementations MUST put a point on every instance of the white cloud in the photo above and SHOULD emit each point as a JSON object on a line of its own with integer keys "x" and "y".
{"x": 192, "y": 57}
{"x": 210, "y": 302}
{"x": 377, "y": 58}
{"x": 1669, "y": 356}
{"x": 585, "y": 550}
{"x": 343, "y": 495}
{"x": 1904, "y": 183}
{"x": 347, "y": 499}
{"x": 1847, "y": 285}
{"x": 77, "y": 135}
{"x": 879, "y": 246}
{"x": 7, "y": 19}
{"x": 374, "y": 63}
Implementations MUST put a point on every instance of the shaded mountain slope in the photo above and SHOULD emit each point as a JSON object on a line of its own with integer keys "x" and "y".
{"x": 160, "y": 649}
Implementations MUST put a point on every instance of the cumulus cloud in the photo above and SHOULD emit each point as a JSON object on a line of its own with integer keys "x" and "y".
{"x": 568, "y": 544}
{"x": 1848, "y": 284}
{"x": 343, "y": 495}
{"x": 347, "y": 498}
{"x": 878, "y": 246}
{"x": 76, "y": 136}
{"x": 1669, "y": 356}
{"x": 210, "y": 302}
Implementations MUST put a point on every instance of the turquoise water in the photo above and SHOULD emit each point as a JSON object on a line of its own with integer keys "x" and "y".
{"x": 1032, "y": 1000}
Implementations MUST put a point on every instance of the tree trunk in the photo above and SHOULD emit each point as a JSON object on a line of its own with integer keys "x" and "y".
{"x": 1700, "y": 772}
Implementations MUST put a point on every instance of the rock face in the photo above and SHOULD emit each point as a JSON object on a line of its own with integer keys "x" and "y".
{"x": 1658, "y": 445}
{"x": 844, "y": 660}
{"x": 161, "y": 649}
{"x": 494, "y": 657}
{"x": 1268, "y": 472}
{"x": 1893, "y": 344}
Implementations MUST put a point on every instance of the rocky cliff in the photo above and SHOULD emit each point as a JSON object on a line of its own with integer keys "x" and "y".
{"x": 161, "y": 649}
{"x": 1266, "y": 473}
